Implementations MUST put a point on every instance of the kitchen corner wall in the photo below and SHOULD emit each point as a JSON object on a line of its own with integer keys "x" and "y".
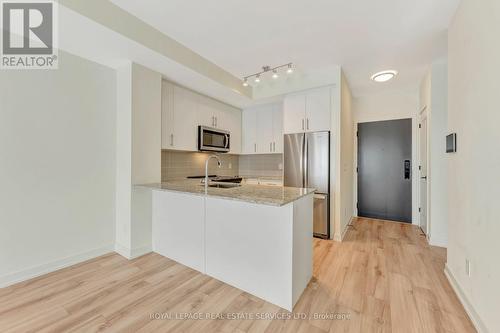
{"x": 181, "y": 164}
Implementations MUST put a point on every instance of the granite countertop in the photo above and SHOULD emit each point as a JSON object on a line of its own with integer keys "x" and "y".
{"x": 259, "y": 194}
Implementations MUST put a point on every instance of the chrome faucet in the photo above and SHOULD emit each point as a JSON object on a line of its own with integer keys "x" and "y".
{"x": 219, "y": 163}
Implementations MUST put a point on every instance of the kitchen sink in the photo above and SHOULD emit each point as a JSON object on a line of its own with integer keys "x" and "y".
{"x": 222, "y": 185}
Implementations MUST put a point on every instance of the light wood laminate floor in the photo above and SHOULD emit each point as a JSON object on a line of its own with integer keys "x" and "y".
{"x": 382, "y": 278}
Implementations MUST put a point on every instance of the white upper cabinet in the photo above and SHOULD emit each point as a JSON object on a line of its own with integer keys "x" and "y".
{"x": 262, "y": 129}
{"x": 179, "y": 118}
{"x": 185, "y": 123}
{"x": 294, "y": 113}
{"x": 265, "y": 135}
{"x": 167, "y": 115}
{"x": 249, "y": 131}
{"x": 230, "y": 120}
{"x": 184, "y": 110}
{"x": 207, "y": 110}
{"x": 277, "y": 115}
{"x": 308, "y": 111}
{"x": 318, "y": 109}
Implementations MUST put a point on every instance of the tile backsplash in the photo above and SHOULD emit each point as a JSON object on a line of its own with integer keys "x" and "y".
{"x": 262, "y": 165}
{"x": 179, "y": 165}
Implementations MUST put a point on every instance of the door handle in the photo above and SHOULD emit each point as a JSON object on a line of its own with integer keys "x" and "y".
{"x": 407, "y": 167}
{"x": 425, "y": 177}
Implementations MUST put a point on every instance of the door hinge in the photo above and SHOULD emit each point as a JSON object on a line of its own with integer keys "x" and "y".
{"x": 357, "y": 170}
{"x": 419, "y": 125}
{"x": 419, "y": 209}
{"x": 357, "y": 134}
{"x": 357, "y": 204}
{"x": 419, "y": 167}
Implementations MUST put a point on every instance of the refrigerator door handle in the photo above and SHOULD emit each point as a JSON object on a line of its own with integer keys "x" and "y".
{"x": 305, "y": 161}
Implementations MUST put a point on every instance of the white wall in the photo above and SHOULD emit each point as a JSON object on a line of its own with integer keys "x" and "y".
{"x": 434, "y": 98}
{"x": 57, "y": 169}
{"x": 474, "y": 181}
{"x": 389, "y": 106}
{"x": 123, "y": 158}
{"x": 139, "y": 155}
{"x": 344, "y": 197}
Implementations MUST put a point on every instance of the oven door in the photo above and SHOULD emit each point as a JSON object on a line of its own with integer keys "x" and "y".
{"x": 213, "y": 139}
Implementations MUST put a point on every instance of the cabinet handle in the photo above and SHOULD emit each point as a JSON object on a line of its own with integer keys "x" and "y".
{"x": 215, "y": 121}
{"x": 255, "y": 147}
{"x": 274, "y": 146}
{"x": 307, "y": 123}
{"x": 302, "y": 124}
{"x": 171, "y": 139}
{"x": 270, "y": 146}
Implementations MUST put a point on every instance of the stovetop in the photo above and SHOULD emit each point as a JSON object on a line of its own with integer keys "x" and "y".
{"x": 215, "y": 178}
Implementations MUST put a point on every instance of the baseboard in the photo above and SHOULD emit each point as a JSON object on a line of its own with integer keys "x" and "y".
{"x": 436, "y": 241}
{"x": 132, "y": 253}
{"x": 140, "y": 251}
{"x": 35, "y": 271}
{"x": 340, "y": 238}
{"x": 473, "y": 315}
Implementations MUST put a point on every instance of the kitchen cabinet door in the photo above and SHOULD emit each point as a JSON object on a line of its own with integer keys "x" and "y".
{"x": 167, "y": 115}
{"x": 265, "y": 137}
{"x": 230, "y": 119}
{"x": 277, "y": 119}
{"x": 318, "y": 110}
{"x": 294, "y": 111}
{"x": 249, "y": 131}
{"x": 207, "y": 110}
{"x": 185, "y": 122}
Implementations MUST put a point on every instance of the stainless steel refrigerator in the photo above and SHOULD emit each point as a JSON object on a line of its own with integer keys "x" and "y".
{"x": 307, "y": 164}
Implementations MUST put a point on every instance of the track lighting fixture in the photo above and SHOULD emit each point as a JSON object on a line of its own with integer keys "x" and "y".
{"x": 265, "y": 69}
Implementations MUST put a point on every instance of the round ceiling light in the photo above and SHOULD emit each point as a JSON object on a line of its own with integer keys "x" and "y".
{"x": 384, "y": 76}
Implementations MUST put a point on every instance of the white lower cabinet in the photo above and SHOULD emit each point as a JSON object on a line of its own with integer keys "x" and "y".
{"x": 264, "y": 250}
{"x": 262, "y": 129}
{"x": 178, "y": 227}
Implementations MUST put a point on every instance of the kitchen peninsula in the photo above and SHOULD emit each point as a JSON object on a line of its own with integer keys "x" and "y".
{"x": 253, "y": 237}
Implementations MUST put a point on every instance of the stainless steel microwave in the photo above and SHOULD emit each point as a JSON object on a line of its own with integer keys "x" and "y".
{"x": 213, "y": 139}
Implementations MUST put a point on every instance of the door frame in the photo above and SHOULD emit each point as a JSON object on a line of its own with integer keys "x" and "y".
{"x": 423, "y": 114}
{"x": 415, "y": 175}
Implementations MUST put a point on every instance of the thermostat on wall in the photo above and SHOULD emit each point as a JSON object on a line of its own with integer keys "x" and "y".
{"x": 451, "y": 143}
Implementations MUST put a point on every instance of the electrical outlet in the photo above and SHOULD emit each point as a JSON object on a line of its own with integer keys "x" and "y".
{"x": 467, "y": 267}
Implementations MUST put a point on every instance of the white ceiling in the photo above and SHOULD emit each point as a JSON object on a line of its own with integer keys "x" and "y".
{"x": 362, "y": 36}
